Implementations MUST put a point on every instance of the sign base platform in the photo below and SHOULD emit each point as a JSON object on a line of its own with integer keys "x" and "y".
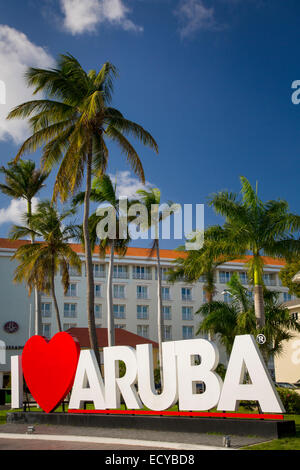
{"x": 268, "y": 428}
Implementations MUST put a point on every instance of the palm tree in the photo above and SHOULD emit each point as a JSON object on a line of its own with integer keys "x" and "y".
{"x": 237, "y": 317}
{"x": 72, "y": 125}
{"x": 24, "y": 181}
{"x": 104, "y": 192}
{"x": 288, "y": 273}
{"x": 40, "y": 261}
{"x": 151, "y": 200}
{"x": 257, "y": 228}
{"x": 202, "y": 264}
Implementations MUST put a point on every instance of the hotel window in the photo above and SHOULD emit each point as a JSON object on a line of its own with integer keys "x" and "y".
{"x": 225, "y": 276}
{"x": 72, "y": 290}
{"x": 187, "y": 313}
{"x": 142, "y": 312}
{"x": 98, "y": 311}
{"x": 70, "y": 310}
{"x": 227, "y": 297}
{"x": 244, "y": 278}
{"x": 186, "y": 293}
{"x": 165, "y": 293}
{"x": 202, "y": 279}
{"x": 73, "y": 272}
{"x": 167, "y": 332}
{"x": 46, "y": 310}
{"x": 143, "y": 330}
{"x": 142, "y": 292}
{"x": 119, "y": 311}
{"x": 121, "y": 272}
{"x": 167, "y": 313}
{"x": 287, "y": 297}
{"x": 97, "y": 290}
{"x": 46, "y": 330}
{"x": 187, "y": 332}
{"x": 142, "y": 272}
{"x": 68, "y": 326}
{"x": 99, "y": 270}
{"x": 250, "y": 294}
{"x": 163, "y": 273}
{"x": 119, "y": 291}
{"x": 269, "y": 279}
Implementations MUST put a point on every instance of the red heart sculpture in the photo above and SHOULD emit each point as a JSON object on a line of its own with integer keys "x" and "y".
{"x": 49, "y": 368}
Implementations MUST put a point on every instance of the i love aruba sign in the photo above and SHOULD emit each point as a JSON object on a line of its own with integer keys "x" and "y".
{"x": 52, "y": 369}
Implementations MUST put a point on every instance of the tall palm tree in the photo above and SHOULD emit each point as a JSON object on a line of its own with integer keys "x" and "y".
{"x": 39, "y": 262}
{"x": 257, "y": 228}
{"x": 151, "y": 200}
{"x": 237, "y": 317}
{"x": 202, "y": 264}
{"x": 72, "y": 125}
{"x": 24, "y": 181}
{"x": 104, "y": 192}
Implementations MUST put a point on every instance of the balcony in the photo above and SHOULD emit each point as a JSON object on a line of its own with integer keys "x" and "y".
{"x": 144, "y": 276}
{"x": 121, "y": 275}
{"x": 142, "y": 296}
{"x": 187, "y": 298}
{"x": 166, "y": 297}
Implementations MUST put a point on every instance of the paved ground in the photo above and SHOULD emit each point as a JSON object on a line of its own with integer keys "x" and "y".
{"x": 21, "y": 444}
{"x": 188, "y": 440}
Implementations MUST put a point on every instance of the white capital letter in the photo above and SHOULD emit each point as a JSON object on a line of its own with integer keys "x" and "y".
{"x": 147, "y": 391}
{"x": 16, "y": 382}
{"x": 88, "y": 383}
{"x": 114, "y": 385}
{"x": 245, "y": 355}
{"x": 189, "y": 374}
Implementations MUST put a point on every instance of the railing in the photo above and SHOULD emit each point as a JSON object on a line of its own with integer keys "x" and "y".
{"x": 142, "y": 295}
{"x": 120, "y": 275}
{"x": 100, "y": 274}
{"x": 146, "y": 276}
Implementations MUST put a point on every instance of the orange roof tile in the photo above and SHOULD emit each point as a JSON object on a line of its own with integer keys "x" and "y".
{"x": 141, "y": 252}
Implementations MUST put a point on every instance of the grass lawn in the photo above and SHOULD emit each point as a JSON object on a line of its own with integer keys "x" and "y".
{"x": 286, "y": 443}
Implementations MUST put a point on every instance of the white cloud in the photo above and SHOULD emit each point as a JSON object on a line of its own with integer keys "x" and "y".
{"x": 193, "y": 16}
{"x": 127, "y": 184}
{"x": 17, "y": 53}
{"x": 14, "y": 212}
{"x": 84, "y": 16}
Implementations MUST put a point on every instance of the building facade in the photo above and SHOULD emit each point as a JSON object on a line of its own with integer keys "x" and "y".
{"x": 134, "y": 292}
{"x": 287, "y": 365}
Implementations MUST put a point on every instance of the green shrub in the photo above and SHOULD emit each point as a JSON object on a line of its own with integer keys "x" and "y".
{"x": 290, "y": 400}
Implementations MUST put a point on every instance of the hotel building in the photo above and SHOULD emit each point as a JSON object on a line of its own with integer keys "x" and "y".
{"x": 134, "y": 292}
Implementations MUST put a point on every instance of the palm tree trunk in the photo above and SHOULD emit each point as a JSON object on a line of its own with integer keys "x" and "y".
{"x": 89, "y": 262}
{"x": 259, "y": 301}
{"x": 209, "y": 299}
{"x": 160, "y": 319}
{"x": 54, "y": 299}
{"x": 37, "y": 299}
{"x": 110, "y": 312}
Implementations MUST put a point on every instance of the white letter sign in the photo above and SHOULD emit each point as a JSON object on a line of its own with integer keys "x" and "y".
{"x": 189, "y": 374}
{"x": 245, "y": 355}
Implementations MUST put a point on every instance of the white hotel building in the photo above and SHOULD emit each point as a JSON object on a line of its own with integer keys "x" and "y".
{"x": 135, "y": 297}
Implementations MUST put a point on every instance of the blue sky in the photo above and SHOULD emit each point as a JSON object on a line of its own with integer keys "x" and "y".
{"x": 210, "y": 79}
